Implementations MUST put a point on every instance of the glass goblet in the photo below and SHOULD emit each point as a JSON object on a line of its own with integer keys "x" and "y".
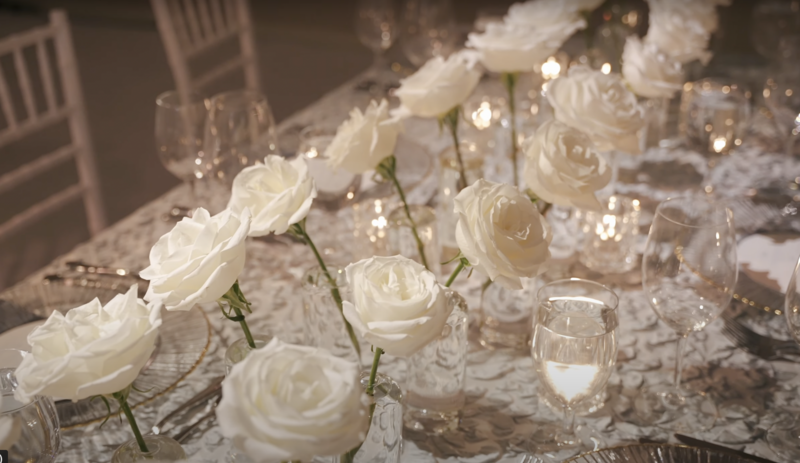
{"x": 376, "y": 27}
{"x": 782, "y": 98}
{"x": 429, "y": 30}
{"x": 574, "y": 352}
{"x": 689, "y": 272}
{"x": 40, "y": 435}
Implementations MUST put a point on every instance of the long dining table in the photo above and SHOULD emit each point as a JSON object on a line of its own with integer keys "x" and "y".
{"x": 503, "y": 404}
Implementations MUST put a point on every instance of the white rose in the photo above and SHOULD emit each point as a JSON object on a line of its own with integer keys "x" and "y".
{"x": 683, "y": 37}
{"x": 278, "y": 193}
{"x": 702, "y": 11}
{"x": 364, "y": 140}
{"x": 92, "y": 350}
{"x": 285, "y": 402}
{"x": 439, "y": 85}
{"x": 562, "y": 167}
{"x": 510, "y": 48}
{"x": 10, "y": 429}
{"x": 199, "y": 260}
{"x": 556, "y": 18}
{"x": 599, "y": 105}
{"x": 397, "y": 304}
{"x": 649, "y": 72}
{"x": 501, "y": 233}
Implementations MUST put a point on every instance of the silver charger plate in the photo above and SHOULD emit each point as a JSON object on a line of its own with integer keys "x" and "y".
{"x": 657, "y": 453}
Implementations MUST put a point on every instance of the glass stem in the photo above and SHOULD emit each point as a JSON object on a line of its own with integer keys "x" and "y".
{"x": 374, "y": 371}
{"x": 122, "y": 398}
{"x": 300, "y": 229}
{"x": 455, "y": 273}
{"x": 420, "y": 245}
{"x": 569, "y": 420}
{"x": 679, "y": 360}
{"x": 510, "y": 82}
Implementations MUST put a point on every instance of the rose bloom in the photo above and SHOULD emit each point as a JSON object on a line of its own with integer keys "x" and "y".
{"x": 559, "y": 17}
{"x": 92, "y": 350}
{"x": 397, "y": 304}
{"x": 199, "y": 260}
{"x": 649, "y": 72}
{"x": 511, "y": 48}
{"x": 501, "y": 233}
{"x": 285, "y": 402}
{"x": 562, "y": 167}
{"x": 438, "y": 86}
{"x": 702, "y": 11}
{"x": 599, "y": 105}
{"x": 680, "y": 34}
{"x": 278, "y": 193}
{"x": 364, "y": 140}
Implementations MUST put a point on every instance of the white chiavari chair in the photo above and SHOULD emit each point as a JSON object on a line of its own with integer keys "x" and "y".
{"x": 190, "y": 28}
{"x": 20, "y": 123}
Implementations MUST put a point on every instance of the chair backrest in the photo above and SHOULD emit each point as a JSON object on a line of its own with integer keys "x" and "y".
{"x": 21, "y": 123}
{"x": 189, "y": 28}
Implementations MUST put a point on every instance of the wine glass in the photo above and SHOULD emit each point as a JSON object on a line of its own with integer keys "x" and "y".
{"x": 784, "y": 436}
{"x": 239, "y": 132}
{"x": 782, "y": 98}
{"x": 179, "y": 138}
{"x": 574, "y": 352}
{"x": 39, "y": 436}
{"x": 335, "y": 187}
{"x": 689, "y": 272}
{"x": 429, "y": 29}
{"x": 376, "y": 27}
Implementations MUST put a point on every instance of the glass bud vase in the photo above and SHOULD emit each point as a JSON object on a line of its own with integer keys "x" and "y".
{"x": 506, "y": 316}
{"x": 161, "y": 448}
{"x": 448, "y": 189}
{"x": 401, "y": 237}
{"x": 656, "y": 115}
{"x": 323, "y": 325}
{"x": 237, "y": 351}
{"x": 436, "y": 376}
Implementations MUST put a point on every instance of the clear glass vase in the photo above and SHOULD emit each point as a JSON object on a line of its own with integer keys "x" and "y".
{"x": 402, "y": 241}
{"x": 436, "y": 376}
{"x": 323, "y": 325}
{"x": 609, "y": 236}
{"x": 36, "y": 423}
{"x": 449, "y": 176}
{"x": 237, "y": 351}
{"x": 161, "y": 448}
{"x": 656, "y": 116}
{"x": 506, "y": 317}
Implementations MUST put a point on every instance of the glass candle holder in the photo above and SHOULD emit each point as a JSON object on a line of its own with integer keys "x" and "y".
{"x": 449, "y": 176}
{"x": 39, "y": 432}
{"x": 436, "y": 376}
{"x": 610, "y": 235}
{"x": 402, "y": 241}
{"x": 335, "y": 187}
{"x": 240, "y": 349}
{"x": 323, "y": 325}
{"x": 506, "y": 317}
{"x": 371, "y": 222}
{"x": 161, "y": 448}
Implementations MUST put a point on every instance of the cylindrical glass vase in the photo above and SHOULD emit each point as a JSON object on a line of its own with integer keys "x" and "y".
{"x": 240, "y": 349}
{"x": 161, "y": 448}
{"x": 656, "y": 116}
{"x": 436, "y": 376}
{"x": 448, "y": 189}
{"x": 323, "y": 323}
{"x": 402, "y": 241}
{"x": 507, "y": 316}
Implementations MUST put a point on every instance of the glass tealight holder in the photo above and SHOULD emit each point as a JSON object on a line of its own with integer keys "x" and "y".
{"x": 402, "y": 241}
{"x": 449, "y": 176}
{"x": 35, "y": 425}
{"x": 240, "y": 349}
{"x": 161, "y": 448}
{"x": 335, "y": 187}
{"x": 506, "y": 316}
{"x": 609, "y": 235}
{"x": 436, "y": 376}
{"x": 371, "y": 222}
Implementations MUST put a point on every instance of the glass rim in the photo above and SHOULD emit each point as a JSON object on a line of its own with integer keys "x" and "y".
{"x": 258, "y": 96}
{"x": 660, "y": 212}
{"x": 171, "y": 99}
{"x": 579, "y": 280}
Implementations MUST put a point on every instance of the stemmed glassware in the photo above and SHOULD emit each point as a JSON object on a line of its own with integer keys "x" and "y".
{"x": 782, "y": 98}
{"x": 429, "y": 29}
{"x": 784, "y": 435}
{"x": 689, "y": 272}
{"x": 239, "y": 131}
{"x": 377, "y": 28}
{"x": 574, "y": 352}
{"x": 179, "y": 139}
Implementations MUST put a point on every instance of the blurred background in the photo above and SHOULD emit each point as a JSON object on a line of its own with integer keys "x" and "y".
{"x": 305, "y": 49}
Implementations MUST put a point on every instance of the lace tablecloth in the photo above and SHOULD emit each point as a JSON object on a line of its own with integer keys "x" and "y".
{"x": 503, "y": 403}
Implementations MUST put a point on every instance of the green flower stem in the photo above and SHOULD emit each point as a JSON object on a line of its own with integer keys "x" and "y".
{"x": 388, "y": 168}
{"x": 455, "y": 273}
{"x": 510, "y": 82}
{"x": 451, "y": 121}
{"x": 373, "y": 372}
{"x": 122, "y": 398}
{"x": 300, "y": 230}
{"x": 236, "y": 301}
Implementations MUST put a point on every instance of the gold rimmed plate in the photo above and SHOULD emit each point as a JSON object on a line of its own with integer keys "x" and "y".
{"x": 183, "y": 341}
